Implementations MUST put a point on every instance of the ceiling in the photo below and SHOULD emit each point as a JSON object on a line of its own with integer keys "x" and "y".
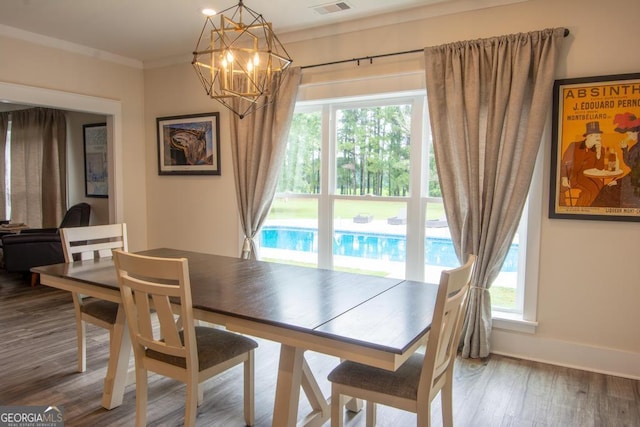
{"x": 153, "y": 30}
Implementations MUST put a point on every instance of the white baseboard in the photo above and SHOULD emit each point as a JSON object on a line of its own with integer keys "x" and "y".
{"x": 564, "y": 353}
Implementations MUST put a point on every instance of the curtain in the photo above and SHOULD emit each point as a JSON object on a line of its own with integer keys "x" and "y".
{"x": 38, "y": 167}
{"x": 4, "y": 124}
{"x": 488, "y": 104}
{"x": 258, "y": 143}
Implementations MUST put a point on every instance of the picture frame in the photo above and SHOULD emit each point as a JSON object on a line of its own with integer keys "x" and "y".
{"x": 189, "y": 144}
{"x": 595, "y": 154}
{"x": 96, "y": 171}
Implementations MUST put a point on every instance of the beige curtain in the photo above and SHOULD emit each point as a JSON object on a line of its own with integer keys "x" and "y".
{"x": 488, "y": 103}
{"x": 258, "y": 143}
{"x": 38, "y": 167}
{"x": 4, "y": 124}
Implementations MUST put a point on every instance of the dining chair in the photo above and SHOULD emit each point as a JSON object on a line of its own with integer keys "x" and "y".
{"x": 88, "y": 243}
{"x": 416, "y": 382}
{"x": 179, "y": 350}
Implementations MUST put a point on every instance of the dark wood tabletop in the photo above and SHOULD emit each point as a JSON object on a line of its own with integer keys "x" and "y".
{"x": 380, "y": 313}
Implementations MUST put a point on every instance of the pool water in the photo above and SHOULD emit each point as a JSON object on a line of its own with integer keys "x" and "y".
{"x": 438, "y": 250}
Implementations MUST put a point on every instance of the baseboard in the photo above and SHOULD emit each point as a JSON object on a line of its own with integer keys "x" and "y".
{"x": 568, "y": 354}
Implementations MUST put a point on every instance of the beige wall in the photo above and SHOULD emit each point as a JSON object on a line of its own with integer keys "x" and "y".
{"x": 186, "y": 211}
{"x": 589, "y": 289}
{"x": 75, "y": 166}
{"x": 87, "y": 79}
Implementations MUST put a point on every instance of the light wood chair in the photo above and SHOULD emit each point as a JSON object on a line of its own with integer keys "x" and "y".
{"x": 89, "y": 243}
{"x": 415, "y": 384}
{"x": 190, "y": 353}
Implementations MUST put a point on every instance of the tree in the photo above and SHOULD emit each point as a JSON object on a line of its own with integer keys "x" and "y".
{"x": 301, "y": 167}
{"x": 372, "y": 152}
{"x": 373, "y": 147}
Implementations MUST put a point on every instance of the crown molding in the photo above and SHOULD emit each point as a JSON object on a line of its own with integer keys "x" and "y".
{"x": 288, "y": 36}
{"x": 54, "y": 43}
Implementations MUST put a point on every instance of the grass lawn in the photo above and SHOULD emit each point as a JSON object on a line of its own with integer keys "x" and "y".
{"x": 503, "y": 297}
{"x": 346, "y": 270}
{"x": 308, "y": 208}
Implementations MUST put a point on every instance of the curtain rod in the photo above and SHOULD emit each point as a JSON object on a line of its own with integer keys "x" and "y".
{"x": 371, "y": 58}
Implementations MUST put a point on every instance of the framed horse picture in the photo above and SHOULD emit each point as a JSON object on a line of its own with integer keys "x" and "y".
{"x": 189, "y": 145}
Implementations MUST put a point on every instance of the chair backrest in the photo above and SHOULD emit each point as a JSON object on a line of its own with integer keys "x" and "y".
{"x": 96, "y": 241}
{"x": 77, "y": 216}
{"x": 448, "y": 316}
{"x": 152, "y": 283}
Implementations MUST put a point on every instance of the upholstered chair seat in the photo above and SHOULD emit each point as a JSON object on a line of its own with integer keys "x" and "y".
{"x": 100, "y": 309}
{"x": 401, "y": 383}
{"x": 214, "y": 346}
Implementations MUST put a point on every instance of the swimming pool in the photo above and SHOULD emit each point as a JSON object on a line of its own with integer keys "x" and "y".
{"x": 438, "y": 250}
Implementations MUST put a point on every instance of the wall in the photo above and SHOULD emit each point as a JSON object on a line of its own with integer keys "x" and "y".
{"x": 75, "y": 167}
{"x": 194, "y": 212}
{"x": 588, "y": 281}
{"x": 88, "y": 80}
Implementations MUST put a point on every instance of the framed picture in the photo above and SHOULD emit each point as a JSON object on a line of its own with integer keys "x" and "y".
{"x": 188, "y": 145}
{"x": 595, "y": 158}
{"x": 96, "y": 173}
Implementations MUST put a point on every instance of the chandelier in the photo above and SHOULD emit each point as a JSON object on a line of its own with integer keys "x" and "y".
{"x": 238, "y": 60}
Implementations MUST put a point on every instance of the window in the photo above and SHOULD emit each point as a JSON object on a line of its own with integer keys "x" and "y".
{"x": 359, "y": 192}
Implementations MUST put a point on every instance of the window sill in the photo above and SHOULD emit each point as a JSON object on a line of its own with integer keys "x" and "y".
{"x": 513, "y": 322}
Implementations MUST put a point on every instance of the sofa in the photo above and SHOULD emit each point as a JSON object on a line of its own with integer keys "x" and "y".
{"x": 42, "y": 246}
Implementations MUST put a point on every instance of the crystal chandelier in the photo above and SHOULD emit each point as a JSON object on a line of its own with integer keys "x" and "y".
{"x": 237, "y": 60}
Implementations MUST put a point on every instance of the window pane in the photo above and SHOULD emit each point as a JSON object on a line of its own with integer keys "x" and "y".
{"x": 370, "y": 237}
{"x": 505, "y": 291}
{"x": 438, "y": 247}
{"x": 301, "y": 168}
{"x": 290, "y": 233}
{"x": 433, "y": 183}
{"x": 440, "y": 255}
{"x": 372, "y": 150}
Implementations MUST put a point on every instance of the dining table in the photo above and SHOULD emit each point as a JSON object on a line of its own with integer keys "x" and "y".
{"x": 378, "y": 321}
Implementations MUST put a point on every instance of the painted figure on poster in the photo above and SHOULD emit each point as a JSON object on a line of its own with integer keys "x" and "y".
{"x": 624, "y": 191}
{"x": 578, "y": 157}
{"x": 629, "y": 125}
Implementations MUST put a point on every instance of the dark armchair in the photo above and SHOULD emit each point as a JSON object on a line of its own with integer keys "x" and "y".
{"x": 42, "y": 246}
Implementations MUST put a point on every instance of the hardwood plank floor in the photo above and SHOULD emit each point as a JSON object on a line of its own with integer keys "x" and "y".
{"x": 38, "y": 367}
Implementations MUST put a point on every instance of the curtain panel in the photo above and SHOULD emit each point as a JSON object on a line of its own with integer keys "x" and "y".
{"x": 488, "y": 103}
{"x": 4, "y": 124}
{"x": 38, "y": 167}
{"x": 258, "y": 143}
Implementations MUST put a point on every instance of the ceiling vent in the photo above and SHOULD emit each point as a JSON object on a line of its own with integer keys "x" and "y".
{"x": 331, "y": 7}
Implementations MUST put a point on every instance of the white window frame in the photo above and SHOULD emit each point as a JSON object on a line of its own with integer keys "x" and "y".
{"x": 523, "y": 318}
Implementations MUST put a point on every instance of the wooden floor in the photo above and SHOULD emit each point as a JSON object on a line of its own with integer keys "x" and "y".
{"x": 38, "y": 367}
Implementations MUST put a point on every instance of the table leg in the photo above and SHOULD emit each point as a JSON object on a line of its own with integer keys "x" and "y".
{"x": 321, "y": 408}
{"x": 119, "y": 353}
{"x": 285, "y": 410}
{"x": 354, "y": 405}
{"x": 293, "y": 373}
